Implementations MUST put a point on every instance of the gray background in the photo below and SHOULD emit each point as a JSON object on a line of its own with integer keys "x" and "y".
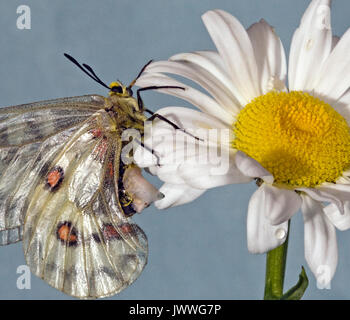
{"x": 197, "y": 251}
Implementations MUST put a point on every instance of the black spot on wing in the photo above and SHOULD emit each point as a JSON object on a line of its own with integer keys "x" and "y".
{"x": 96, "y": 237}
{"x": 4, "y": 137}
{"x": 31, "y": 129}
{"x": 44, "y": 170}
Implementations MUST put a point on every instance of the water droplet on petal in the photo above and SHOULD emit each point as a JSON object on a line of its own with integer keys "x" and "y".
{"x": 280, "y": 233}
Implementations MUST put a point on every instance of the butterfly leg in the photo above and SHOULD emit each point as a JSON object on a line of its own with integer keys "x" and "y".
{"x": 140, "y": 101}
{"x": 175, "y": 126}
{"x": 156, "y": 115}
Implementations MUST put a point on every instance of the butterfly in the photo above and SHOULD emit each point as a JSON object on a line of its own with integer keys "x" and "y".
{"x": 65, "y": 192}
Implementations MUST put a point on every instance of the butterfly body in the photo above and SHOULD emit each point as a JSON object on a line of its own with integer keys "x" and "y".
{"x": 125, "y": 111}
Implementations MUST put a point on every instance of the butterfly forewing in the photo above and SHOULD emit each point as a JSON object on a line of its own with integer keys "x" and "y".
{"x": 76, "y": 236}
{"x": 33, "y": 122}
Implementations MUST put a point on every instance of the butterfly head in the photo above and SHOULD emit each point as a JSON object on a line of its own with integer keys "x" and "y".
{"x": 118, "y": 89}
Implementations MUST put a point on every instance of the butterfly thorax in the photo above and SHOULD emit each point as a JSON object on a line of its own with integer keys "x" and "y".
{"x": 125, "y": 113}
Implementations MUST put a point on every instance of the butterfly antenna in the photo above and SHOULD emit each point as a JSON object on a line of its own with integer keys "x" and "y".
{"x": 87, "y": 70}
{"x": 92, "y": 72}
{"x": 139, "y": 75}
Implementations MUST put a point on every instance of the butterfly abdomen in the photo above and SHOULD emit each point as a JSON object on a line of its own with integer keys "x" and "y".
{"x": 135, "y": 192}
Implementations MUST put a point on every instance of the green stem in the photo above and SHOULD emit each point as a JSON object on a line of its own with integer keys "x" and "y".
{"x": 275, "y": 270}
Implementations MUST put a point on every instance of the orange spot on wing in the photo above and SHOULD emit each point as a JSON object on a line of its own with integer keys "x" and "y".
{"x": 96, "y": 132}
{"x": 101, "y": 149}
{"x": 110, "y": 232}
{"x": 63, "y": 232}
{"x": 110, "y": 167}
{"x": 54, "y": 177}
{"x": 127, "y": 228}
{"x": 67, "y": 234}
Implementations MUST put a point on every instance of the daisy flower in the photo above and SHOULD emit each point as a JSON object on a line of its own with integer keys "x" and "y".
{"x": 294, "y": 141}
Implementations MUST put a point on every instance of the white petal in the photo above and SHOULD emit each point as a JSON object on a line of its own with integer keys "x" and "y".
{"x": 342, "y": 106}
{"x": 214, "y": 171}
{"x": 269, "y": 55}
{"x": 175, "y": 146}
{"x": 202, "y": 77}
{"x": 339, "y": 190}
{"x": 280, "y": 204}
{"x": 213, "y": 63}
{"x": 344, "y": 100}
{"x": 321, "y": 252}
{"x": 334, "y": 78}
{"x": 234, "y": 46}
{"x": 195, "y": 97}
{"x": 344, "y": 179}
{"x": 324, "y": 196}
{"x": 159, "y": 142}
{"x": 168, "y": 154}
{"x": 165, "y": 160}
{"x": 144, "y": 157}
{"x": 201, "y": 129}
{"x": 341, "y": 221}
{"x": 251, "y": 168}
{"x": 208, "y": 159}
{"x": 311, "y": 45}
{"x": 177, "y": 194}
{"x": 187, "y": 118}
{"x": 169, "y": 159}
{"x": 261, "y": 235}
{"x": 169, "y": 174}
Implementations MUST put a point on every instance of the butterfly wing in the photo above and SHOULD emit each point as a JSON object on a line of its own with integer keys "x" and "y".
{"x": 76, "y": 236}
{"x": 31, "y": 135}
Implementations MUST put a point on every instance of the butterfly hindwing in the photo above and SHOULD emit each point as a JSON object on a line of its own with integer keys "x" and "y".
{"x": 11, "y": 235}
{"x": 31, "y": 136}
{"x": 76, "y": 236}
{"x": 22, "y": 175}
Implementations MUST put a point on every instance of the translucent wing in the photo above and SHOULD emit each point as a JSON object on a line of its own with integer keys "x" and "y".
{"x": 31, "y": 136}
{"x": 29, "y": 123}
{"x": 76, "y": 235}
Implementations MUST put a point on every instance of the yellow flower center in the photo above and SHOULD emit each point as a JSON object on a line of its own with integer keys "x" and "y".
{"x": 300, "y": 139}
